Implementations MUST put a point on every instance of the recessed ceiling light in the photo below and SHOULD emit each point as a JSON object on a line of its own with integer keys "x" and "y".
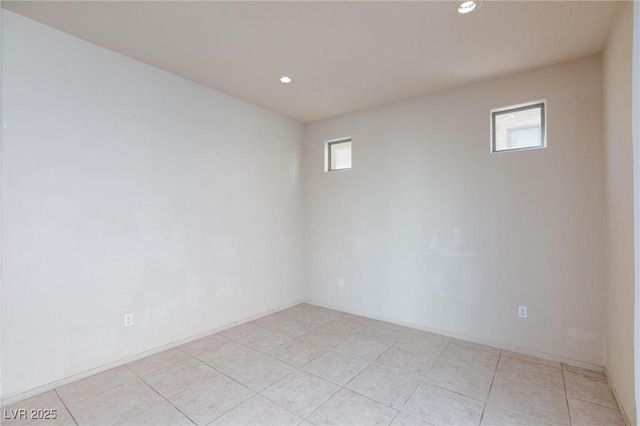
{"x": 285, "y": 79}
{"x": 463, "y": 7}
{"x": 466, "y": 6}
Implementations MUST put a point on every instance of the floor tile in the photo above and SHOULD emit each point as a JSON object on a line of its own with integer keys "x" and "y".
{"x": 383, "y": 332}
{"x": 585, "y": 371}
{"x": 259, "y": 372}
{"x": 588, "y": 414}
{"x": 293, "y": 327}
{"x": 258, "y": 411}
{"x": 44, "y": 401}
{"x": 496, "y": 416}
{"x": 300, "y": 392}
{"x": 356, "y": 347}
{"x": 228, "y": 356}
{"x": 205, "y": 344}
{"x": 532, "y": 358}
{"x": 296, "y": 353}
{"x": 544, "y": 405}
{"x": 211, "y": 398}
{"x": 412, "y": 364}
{"x": 476, "y": 345}
{"x": 470, "y": 357}
{"x": 442, "y": 407}
{"x": 324, "y": 337}
{"x": 271, "y": 320}
{"x": 387, "y": 387}
{"x": 298, "y": 310}
{"x": 240, "y": 331}
{"x": 589, "y": 389}
{"x": 348, "y": 324}
{"x": 332, "y": 313}
{"x": 423, "y": 342}
{"x": 153, "y": 363}
{"x": 162, "y": 414}
{"x": 530, "y": 373}
{"x": 474, "y": 383}
{"x": 349, "y": 408}
{"x": 403, "y": 419}
{"x": 94, "y": 385}
{"x": 115, "y": 405}
{"x": 320, "y": 316}
{"x": 173, "y": 380}
{"x": 264, "y": 340}
{"x": 334, "y": 367}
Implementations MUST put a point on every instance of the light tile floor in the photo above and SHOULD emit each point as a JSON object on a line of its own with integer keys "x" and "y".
{"x": 309, "y": 365}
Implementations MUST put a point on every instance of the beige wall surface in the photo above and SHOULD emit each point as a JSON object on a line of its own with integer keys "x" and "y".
{"x": 619, "y": 231}
{"x": 128, "y": 189}
{"x": 432, "y": 229}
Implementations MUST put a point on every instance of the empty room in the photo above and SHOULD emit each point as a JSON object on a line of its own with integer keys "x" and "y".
{"x": 320, "y": 213}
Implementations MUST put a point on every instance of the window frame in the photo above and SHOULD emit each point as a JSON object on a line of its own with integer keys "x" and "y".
{"x": 328, "y": 145}
{"x": 542, "y": 104}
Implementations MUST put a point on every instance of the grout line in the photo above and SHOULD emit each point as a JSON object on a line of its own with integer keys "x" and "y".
{"x": 84, "y": 398}
{"x": 155, "y": 405}
{"x": 281, "y": 406}
{"x": 440, "y": 356}
{"x": 495, "y": 372}
{"x": 343, "y": 387}
{"x": 65, "y": 406}
{"x": 528, "y": 416}
{"x": 162, "y": 396}
{"x": 238, "y": 404}
{"x": 419, "y": 381}
{"x": 566, "y": 396}
{"x": 299, "y": 369}
{"x": 325, "y": 401}
{"x": 408, "y": 397}
{"x": 179, "y": 410}
{"x": 394, "y": 417}
{"x": 596, "y": 403}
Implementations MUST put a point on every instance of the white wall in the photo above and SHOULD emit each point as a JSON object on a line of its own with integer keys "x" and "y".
{"x": 128, "y": 189}
{"x": 429, "y": 228}
{"x": 619, "y": 231}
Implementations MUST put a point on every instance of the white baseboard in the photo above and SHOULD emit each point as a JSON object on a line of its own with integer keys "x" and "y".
{"x": 11, "y": 399}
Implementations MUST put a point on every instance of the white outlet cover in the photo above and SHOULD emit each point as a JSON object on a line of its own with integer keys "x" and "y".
{"x": 128, "y": 320}
{"x": 340, "y": 282}
{"x": 522, "y": 312}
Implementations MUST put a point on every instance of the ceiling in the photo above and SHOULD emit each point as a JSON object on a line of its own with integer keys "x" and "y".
{"x": 343, "y": 56}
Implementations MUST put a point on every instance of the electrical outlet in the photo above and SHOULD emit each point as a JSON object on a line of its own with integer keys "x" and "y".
{"x": 340, "y": 282}
{"x": 128, "y": 320}
{"x": 522, "y": 311}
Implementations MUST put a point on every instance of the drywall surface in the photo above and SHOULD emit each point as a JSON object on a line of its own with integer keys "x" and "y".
{"x": 128, "y": 189}
{"x": 619, "y": 231}
{"x": 430, "y": 228}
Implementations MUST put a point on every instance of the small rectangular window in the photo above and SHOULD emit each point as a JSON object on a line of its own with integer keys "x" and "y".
{"x": 518, "y": 127}
{"x": 339, "y": 155}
